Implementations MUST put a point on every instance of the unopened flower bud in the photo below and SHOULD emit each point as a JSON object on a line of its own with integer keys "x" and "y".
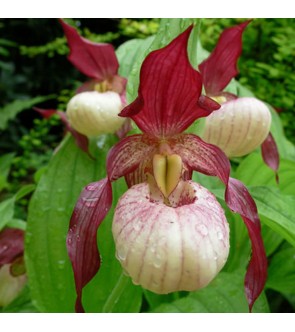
{"x": 93, "y": 113}
{"x": 10, "y": 286}
{"x": 171, "y": 248}
{"x": 238, "y": 127}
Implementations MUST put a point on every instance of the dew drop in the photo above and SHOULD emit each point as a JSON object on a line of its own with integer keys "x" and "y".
{"x": 136, "y": 283}
{"x": 121, "y": 253}
{"x": 202, "y": 229}
{"x": 90, "y": 187}
{"x": 61, "y": 264}
{"x": 136, "y": 227}
{"x": 158, "y": 261}
{"x": 219, "y": 236}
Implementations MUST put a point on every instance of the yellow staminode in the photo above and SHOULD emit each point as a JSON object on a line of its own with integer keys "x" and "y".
{"x": 167, "y": 172}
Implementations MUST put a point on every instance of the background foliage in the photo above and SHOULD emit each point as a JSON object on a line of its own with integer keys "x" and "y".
{"x": 35, "y": 71}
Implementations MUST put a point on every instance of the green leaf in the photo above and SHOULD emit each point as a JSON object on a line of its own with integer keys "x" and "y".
{"x": 10, "y": 111}
{"x": 130, "y": 52}
{"x": 155, "y": 300}
{"x": 24, "y": 191}
{"x": 271, "y": 239}
{"x": 286, "y": 148}
{"x": 252, "y": 171}
{"x": 281, "y": 271}
{"x": 5, "y": 163}
{"x": 48, "y": 266}
{"x": 168, "y": 29}
{"x": 17, "y": 223}
{"x": 278, "y": 209}
{"x": 6, "y": 211}
{"x": 224, "y": 294}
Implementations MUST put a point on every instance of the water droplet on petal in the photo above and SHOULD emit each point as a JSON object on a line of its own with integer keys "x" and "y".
{"x": 121, "y": 253}
{"x": 158, "y": 261}
{"x": 91, "y": 187}
{"x": 202, "y": 229}
{"x": 219, "y": 235}
{"x": 136, "y": 227}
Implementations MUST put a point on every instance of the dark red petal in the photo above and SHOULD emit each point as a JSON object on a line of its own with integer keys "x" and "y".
{"x": 45, "y": 113}
{"x": 81, "y": 140}
{"x": 169, "y": 91}
{"x": 221, "y": 66}
{"x": 95, "y": 60}
{"x": 201, "y": 156}
{"x": 270, "y": 154}
{"x": 240, "y": 201}
{"x": 127, "y": 155}
{"x": 11, "y": 245}
{"x": 90, "y": 210}
{"x": 210, "y": 160}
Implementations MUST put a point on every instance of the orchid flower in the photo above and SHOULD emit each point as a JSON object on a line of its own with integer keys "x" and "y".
{"x": 241, "y": 124}
{"x": 94, "y": 109}
{"x": 12, "y": 273}
{"x": 170, "y": 233}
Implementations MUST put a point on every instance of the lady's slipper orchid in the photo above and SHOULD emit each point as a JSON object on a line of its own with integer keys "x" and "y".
{"x": 170, "y": 233}
{"x": 95, "y": 111}
{"x": 241, "y": 124}
{"x": 12, "y": 276}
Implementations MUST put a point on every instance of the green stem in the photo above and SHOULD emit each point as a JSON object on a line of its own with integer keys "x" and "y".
{"x": 115, "y": 294}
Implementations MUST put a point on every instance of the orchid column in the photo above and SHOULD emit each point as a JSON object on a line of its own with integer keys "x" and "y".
{"x": 171, "y": 233}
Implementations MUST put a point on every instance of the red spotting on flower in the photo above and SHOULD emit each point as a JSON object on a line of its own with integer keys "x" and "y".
{"x": 221, "y": 66}
{"x": 270, "y": 154}
{"x": 95, "y": 60}
{"x": 11, "y": 245}
{"x": 169, "y": 100}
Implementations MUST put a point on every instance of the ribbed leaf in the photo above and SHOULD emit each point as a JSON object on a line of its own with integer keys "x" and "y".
{"x": 278, "y": 209}
{"x": 5, "y": 163}
{"x": 6, "y": 211}
{"x": 224, "y": 294}
{"x": 282, "y": 271}
{"x": 48, "y": 266}
{"x": 10, "y": 111}
{"x": 253, "y": 172}
{"x": 130, "y": 52}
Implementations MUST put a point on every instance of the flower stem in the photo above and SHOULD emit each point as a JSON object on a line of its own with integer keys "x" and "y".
{"x": 117, "y": 291}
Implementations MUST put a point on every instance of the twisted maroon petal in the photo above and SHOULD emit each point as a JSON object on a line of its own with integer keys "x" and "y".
{"x": 209, "y": 159}
{"x": 90, "y": 210}
{"x": 169, "y": 91}
{"x": 270, "y": 154}
{"x": 240, "y": 201}
{"x": 80, "y": 139}
{"x": 95, "y": 60}
{"x": 221, "y": 66}
{"x": 11, "y": 245}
